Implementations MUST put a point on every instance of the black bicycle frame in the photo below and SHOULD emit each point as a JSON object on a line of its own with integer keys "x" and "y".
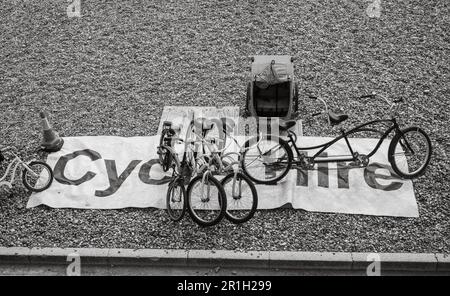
{"x": 344, "y": 135}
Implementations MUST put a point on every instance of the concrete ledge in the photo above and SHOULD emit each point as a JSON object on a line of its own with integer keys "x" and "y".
{"x": 310, "y": 260}
{"x": 227, "y": 258}
{"x": 396, "y": 261}
{"x": 147, "y": 257}
{"x": 443, "y": 262}
{"x": 60, "y": 255}
{"x": 16, "y": 255}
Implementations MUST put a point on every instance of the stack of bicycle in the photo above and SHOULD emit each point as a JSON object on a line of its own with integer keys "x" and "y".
{"x": 204, "y": 160}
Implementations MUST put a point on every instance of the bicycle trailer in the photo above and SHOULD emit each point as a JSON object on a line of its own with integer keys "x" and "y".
{"x": 272, "y": 90}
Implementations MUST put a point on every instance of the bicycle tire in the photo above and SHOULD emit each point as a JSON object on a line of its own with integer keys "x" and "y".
{"x": 251, "y": 213}
{"x": 164, "y": 155}
{"x": 392, "y": 148}
{"x": 165, "y": 159}
{"x": 176, "y": 216}
{"x": 30, "y": 186}
{"x": 221, "y": 200}
{"x": 283, "y": 144}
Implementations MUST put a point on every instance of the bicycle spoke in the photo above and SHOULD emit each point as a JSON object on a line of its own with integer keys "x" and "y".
{"x": 267, "y": 162}
{"x": 411, "y": 153}
{"x": 205, "y": 201}
{"x": 37, "y": 176}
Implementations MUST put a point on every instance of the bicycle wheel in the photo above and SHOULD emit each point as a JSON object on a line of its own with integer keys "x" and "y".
{"x": 242, "y": 198}
{"x": 410, "y": 152}
{"x": 176, "y": 200}
{"x": 268, "y": 161}
{"x": 164, "y": 155}
{"x": 39, "y": 178}
{"x": 207, "y": 202}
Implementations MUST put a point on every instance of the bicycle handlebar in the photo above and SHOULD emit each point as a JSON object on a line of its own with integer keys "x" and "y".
{"x": 371, "y": 96}
{"x": 374, "y": 95}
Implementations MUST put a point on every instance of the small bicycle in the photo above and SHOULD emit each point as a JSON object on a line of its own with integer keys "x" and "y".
{"x": 37, "y": 176}
{"x": 240, "y": 192}
{"x": 204, "y": 198}
{"x": 242, "y": 197}
{"x": 164, "y": 155}
{"x": 271, "y": 159}
{"x": 176, "y": 195}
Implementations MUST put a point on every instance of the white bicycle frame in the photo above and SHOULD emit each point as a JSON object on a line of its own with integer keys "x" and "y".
{"x": 200, "y": 163}
{"x": 12, "y": 169}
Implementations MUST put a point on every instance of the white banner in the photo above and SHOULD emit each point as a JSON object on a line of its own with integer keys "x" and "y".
{"x": 114, "y": 172}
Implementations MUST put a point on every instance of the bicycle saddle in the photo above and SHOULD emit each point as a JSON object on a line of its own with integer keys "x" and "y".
{"x": 285, "y": 125}
{"x": 336, "y": 118}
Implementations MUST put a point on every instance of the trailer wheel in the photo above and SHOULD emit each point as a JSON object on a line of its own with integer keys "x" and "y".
{"x": 296, "y": 97}
{"x": 247, "y": 102}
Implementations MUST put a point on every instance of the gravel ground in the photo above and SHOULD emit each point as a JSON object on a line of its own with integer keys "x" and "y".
{"x": 111, "y": 72}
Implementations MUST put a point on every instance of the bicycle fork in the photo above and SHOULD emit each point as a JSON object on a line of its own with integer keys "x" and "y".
{"x": 405, "y": 145}
{"x": 208, "y": 188}
{"x": 238, "y": 194}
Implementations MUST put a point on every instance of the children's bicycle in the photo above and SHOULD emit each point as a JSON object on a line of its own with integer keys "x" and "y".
{"x": 37, "y": 176}
{"x": 207, "y": 201}
{"x": 203, "y": 152}
{"x": 164, "y": 155}
{"x": 204, "y": 198}
{"x": 242, "y": 197}
{"x": 271, "y": 159}
{"x": 176, "y": 197}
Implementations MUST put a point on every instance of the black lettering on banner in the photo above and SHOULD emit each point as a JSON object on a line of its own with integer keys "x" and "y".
{"x": 115, "y": 181}
{"x": 270, "y": 173}
{"x": 302, "y": 174}
{"x": 62, "y": 163}
{"x": 342, "y": 175}
{"x": 371, "y": 177}
{"x": 302, "y": 177}
{"x": 322, "y": 172}
{"x": 144, "y": 174}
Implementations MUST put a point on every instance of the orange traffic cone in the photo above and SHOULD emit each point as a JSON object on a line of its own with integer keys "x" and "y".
{"x": 51, "y": 142}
